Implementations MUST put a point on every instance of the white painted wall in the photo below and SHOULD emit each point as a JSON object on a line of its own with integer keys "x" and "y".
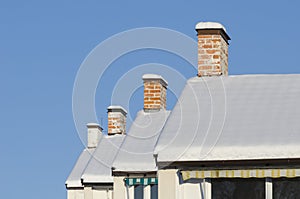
{"x": 198, "y": 189}
{"x": 147, "y": 192}
{"x": 170, "y": 187}
{"x": 168, "y": 184}
{"x": 88, "y": 193}
{"x": 75, "y": 194}
{"x": 269, "y": 188}
{"x": 102, "y": 194}
{"x": 129, "y": 192}
{"x": 191, "y": 191}
{"x": 120, "y": 191}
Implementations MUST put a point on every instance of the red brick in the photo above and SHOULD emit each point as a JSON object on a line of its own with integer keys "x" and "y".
{"x": 204, "y": 36}
{"x": 207, "y": 46}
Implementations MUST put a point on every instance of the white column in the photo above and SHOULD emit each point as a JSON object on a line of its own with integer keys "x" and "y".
{"x": 119, "y": 188}
{"x": 147, "y": 192}
{"x": 129, "y": 192}
{"x": 76, "y": 194}
{"x": 206, "y": 184}
{"x": 168, "y": 184}
{"x": 269, "y": 188}
{"x": 109, "y": 194}
{"x": 88, "y": 193}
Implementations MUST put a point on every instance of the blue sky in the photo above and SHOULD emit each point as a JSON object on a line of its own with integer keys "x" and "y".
{"x": 43, "y": 44}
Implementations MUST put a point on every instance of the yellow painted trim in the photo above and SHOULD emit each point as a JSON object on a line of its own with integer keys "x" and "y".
{"x": 245, "y": 173}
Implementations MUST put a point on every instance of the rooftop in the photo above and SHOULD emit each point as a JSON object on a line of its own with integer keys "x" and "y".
{"x": 234, "y": 118}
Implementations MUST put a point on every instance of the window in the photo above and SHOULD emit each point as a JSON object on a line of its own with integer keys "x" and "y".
{"x": 286, "y": 188}
{"x": 138, "y": 192}
{"x": 154, "y": 191}
{"x": 236, "y": 188}
{"x": 140, "y": 187}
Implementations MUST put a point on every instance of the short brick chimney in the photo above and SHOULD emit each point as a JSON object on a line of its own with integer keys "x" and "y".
{"x": 212, "y": 49}
{"x": 94, "y": 132}
{"x": 155, "y": 92}
{"x": 116, "y": 120}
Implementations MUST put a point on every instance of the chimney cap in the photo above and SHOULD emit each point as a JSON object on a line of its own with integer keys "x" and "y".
{"x": 212, "y": 28}
{"x": 115, "y": 108}
{"x": 93, "y": 125}
{"x": 209, "y": 25}
{"x": 155, "y": 77}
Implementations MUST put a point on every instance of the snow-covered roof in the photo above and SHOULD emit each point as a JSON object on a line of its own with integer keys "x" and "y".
{"x": 136, "y": 152}
{"x": 98, "y": 169}
{"x": 234, "y": 118}
{"x": 74, "y": 179}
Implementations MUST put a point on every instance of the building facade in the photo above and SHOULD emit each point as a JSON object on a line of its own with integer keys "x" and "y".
{"x": 228, "y": 137}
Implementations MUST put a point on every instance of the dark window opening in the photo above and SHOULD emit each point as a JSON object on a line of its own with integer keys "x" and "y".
{"x": 286, "y": 188}
{"x": 237, "y": 188}
{"x": 138, "y": 192}
{"x": 154, "y": 191}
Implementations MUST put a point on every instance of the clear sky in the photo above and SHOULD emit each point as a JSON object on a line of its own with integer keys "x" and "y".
{"x": 43, "y": 44}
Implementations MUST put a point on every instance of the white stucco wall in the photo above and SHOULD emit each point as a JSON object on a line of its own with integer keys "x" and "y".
{"x": 269, "y": 188}
{"x": 75, "y": 194}
{"x": 130, "y": 192}
{"x": 121, "y": 191}
{"x": 88, "y": 193}
{"x": 147, "y": 192}
{"x": 198, "y": 189}
{"x": 171, "y": 187}
{"x": 119, "y": 188}
{"x": 102, "y": 194}
{"x": 168, "y": 184}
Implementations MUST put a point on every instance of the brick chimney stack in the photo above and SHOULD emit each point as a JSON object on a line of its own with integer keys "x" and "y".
{"x": 155, "y": 92}
{"x": 212, "y": 49}
{"x": 116, "y": 120}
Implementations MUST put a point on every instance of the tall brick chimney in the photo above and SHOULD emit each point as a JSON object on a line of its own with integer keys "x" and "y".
{"x": 94, "y": 132}
{"x": 212, "y": 49}
{"x": 116, "y": 120}
{"x": 155, "y": 92}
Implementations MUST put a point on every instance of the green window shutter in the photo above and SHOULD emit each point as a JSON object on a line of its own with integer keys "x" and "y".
{"x": 140, "y": 181}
